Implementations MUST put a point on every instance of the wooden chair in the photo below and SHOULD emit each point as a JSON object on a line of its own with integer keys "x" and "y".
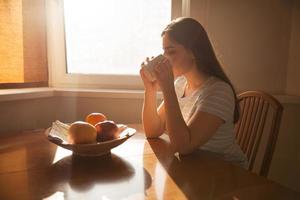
{"x": 257, "y": 128}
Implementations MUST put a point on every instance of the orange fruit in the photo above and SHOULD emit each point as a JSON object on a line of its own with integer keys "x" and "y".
{"x": 95, "y": 118}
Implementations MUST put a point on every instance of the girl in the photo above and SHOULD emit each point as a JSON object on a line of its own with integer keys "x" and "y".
{"x": 198, "y": 110}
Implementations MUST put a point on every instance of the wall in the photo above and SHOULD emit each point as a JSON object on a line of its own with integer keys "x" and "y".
{"x": 293, "y": 70}
{"x": 27, "y": 114}
{"x": 41, "y": 112}
{"x": 287, "y": 153}
{"x": 286, "y": 159}
{"x": 251, "y": 39}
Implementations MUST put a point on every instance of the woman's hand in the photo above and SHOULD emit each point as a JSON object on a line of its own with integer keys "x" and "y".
{"x": 164, "y": 75}
{"x": 149, "y": 85}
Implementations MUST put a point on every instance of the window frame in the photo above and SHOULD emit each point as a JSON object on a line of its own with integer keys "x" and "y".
{"x": 56, "y": 52}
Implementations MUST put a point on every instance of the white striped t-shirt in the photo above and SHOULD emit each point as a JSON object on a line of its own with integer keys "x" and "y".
{"x": 217, "y": 98}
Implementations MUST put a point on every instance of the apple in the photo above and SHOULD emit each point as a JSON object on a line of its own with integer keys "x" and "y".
{"x": 106, "y": 130}
{"x": 82, "y": 133}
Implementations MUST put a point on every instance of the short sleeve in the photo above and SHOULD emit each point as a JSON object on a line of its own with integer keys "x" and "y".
{"x": 218, "y": 100}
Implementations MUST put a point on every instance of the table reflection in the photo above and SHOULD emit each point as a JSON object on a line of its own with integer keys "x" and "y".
{"x": 108, "y": 176}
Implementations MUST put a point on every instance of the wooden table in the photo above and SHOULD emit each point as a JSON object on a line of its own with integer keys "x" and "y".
{"x": 33, "y": 168}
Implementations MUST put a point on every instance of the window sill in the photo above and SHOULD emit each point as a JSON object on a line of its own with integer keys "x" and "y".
{"x": 25, "y": 93}
{"x": 33, "y": 93}
{"x": 99, "y": 93}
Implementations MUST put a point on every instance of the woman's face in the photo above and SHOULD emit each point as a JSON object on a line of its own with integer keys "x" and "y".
{"x": 181, "y": 59}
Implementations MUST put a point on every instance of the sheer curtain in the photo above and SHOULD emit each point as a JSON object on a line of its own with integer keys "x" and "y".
{"x": 23, "y": 55}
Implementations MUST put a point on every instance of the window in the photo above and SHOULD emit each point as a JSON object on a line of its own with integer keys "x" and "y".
{"x": 101, "y": 44}
{"x": 23, "y": 58}
{"x": 113, "y": 37}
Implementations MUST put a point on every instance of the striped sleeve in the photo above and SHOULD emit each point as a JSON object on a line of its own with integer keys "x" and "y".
{"x": 218, "y": 100}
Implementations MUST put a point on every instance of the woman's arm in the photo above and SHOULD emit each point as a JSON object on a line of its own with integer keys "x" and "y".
{"x": 153, "y": 118}
{"x": 185, "y": 138}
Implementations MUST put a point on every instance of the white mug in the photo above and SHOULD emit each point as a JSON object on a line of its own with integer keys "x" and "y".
{"x": 149, "y": 67}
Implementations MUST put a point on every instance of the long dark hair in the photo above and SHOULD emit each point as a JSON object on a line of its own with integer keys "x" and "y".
{"x": 190, "y": 33}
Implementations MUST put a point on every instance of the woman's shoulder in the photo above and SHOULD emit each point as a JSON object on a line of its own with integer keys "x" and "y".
{"x": 216, "y": 85}
{"x": 218, "y": 99}
{"x": 217, "y": 89}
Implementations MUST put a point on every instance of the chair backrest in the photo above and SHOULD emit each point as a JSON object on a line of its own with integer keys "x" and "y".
{"x": 257, "y": 128}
